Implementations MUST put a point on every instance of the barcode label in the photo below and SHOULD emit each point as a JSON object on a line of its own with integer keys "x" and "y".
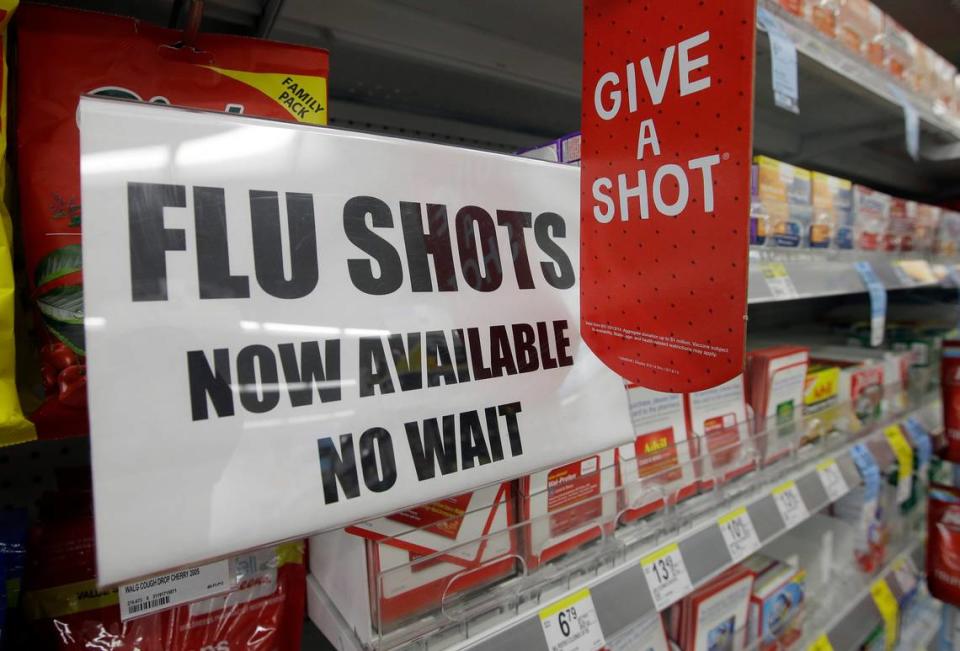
{"x": 174, "y": 588}
{"x": 149, "y": 605}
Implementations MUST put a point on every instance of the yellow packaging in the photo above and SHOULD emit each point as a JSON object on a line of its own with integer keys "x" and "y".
{"x": 14, "y": 428}
{"x": 785, "y": 191}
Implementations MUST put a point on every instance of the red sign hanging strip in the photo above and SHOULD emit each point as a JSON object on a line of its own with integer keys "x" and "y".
{"x": 665, "y": 188}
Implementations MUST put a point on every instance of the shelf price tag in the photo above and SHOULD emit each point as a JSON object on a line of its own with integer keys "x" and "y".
{"x": 878, "y": 301}
{"x": 783, "y": 55}
{"x": 822, "y": 643}
{"x": 832, "y": 479}
{"x": 778, "y": 281}
{"x": 888, "y": 607}
{"x": 920, "y": 438}
{"x": 904, "y": 454}
{"x": 666, "y": 575}
{"x": 911, "y": 119}
{"x": 571, "y": 624}
{"x": 739, "y": 533}
{"x": 790, "y": 504}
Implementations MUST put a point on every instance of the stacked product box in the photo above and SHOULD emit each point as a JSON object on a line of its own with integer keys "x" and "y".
{"x": 786, "y": 193}
{"x": 565, "y": 149}
{"x": 759, "y": 217}
{"x": 899, "y": 225}
{"x": 821, "y": 392}
{"x": 567, "y": 507}
{"x": 675, "y": 435}
{"x": 947, "y": 241}
{"x": 410, "y": 562}
{"x": 823, "y": 15}
{"x": 715, "y": 616}
{"x": 833, "y": 208}
{"x": 655, "y": 468}
{"x": 872, "y": 215}
{"x": 860, "y": 28}
{"x": 775, "y": 605}
{"x": 924, "y": 221}
{"x": 718, "y": 417}
{"x": 900, "y": 50}
{"x": 775, "y": 390}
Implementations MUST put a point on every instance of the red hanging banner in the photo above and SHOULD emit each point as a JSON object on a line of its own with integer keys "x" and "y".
{"x": 665, "y": 188}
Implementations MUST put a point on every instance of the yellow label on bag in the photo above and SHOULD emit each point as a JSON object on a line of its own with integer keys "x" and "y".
{"x": 901, "y": 450}
{"x": 303, "y": 96}
{"x": 822, "y": 643}
{"x": 887, "y": 605}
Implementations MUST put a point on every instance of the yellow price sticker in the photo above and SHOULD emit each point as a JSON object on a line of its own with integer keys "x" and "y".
{"x": 889, "y": 608}
{"x": 822, "y": 643}
{"x": 904, "y": 454}
{"x": 774, "y": 270}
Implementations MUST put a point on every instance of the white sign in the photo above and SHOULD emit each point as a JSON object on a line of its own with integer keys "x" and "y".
{"x": 739, "y": 533}
{"x": 168, "y": 590}
{"x": 571, "y": 624}
{"x": 790, "y": 504}
{"x": 291, "y": 328}
{"x": 666, "y": 575}
{"x": 832, "y": 479}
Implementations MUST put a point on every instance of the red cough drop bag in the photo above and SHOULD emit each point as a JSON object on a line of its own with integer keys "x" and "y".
{"x": 263, "y": 612}
{"x": 63, "y": 54}
{"x": 950, "y": 387}
{"x": 943, "y": 543}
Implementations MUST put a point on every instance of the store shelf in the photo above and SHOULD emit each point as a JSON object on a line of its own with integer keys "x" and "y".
{"x": 851, "y": 120}
{"x": 509, "y": 617}
{"x": 509, "y": 77}
{"x": 814, "y": 274}
{"x": 848, "y": 614}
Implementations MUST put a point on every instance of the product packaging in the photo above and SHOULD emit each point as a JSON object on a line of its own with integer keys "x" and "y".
{"x": 899, "y": 226}
{"x": 759, "y": 217}
{"x": 775, "y": 390}
{"x": 14, "y": 428}
{"x": 79, "y": 53}
{"x": 655, "y": 468}
{"x": 718, "y": 416}
{"x": 926, "y": 219}
{"x": 900, "y": 50}
{"x": 263, "y": 611}
{"x": 408, "y": 563}
{"x": 833, "y": 209}
{"x": 861, "y": 383}
{"x": 796, "y": 7}
{"x": 567, "y": 506}
{"x": 950, "y": 388}
{"x": 565, "y": 149}
{"x": 715, "y": 615}
{"x": 821, "y": 389}
{"x": 871, "y": 216}
{"x": 786, "y": 193}
{"x": 947, "y": 242}
{"x": 860, "y": 28}
{"x": 776, "y": 602}
{"x": 943, "y": 544}
{"x": 821, "y": 393}
{"x": 823, "y": 15}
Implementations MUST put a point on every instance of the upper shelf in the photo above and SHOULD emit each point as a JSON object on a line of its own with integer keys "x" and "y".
{"x": 508, "y": 77}
{"x": 790, "y": 274}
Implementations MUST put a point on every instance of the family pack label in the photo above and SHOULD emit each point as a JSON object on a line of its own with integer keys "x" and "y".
{"x": 665, "y": 188}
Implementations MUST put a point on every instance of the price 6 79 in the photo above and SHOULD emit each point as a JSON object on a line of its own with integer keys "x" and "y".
{"x": 565, "y": 617}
